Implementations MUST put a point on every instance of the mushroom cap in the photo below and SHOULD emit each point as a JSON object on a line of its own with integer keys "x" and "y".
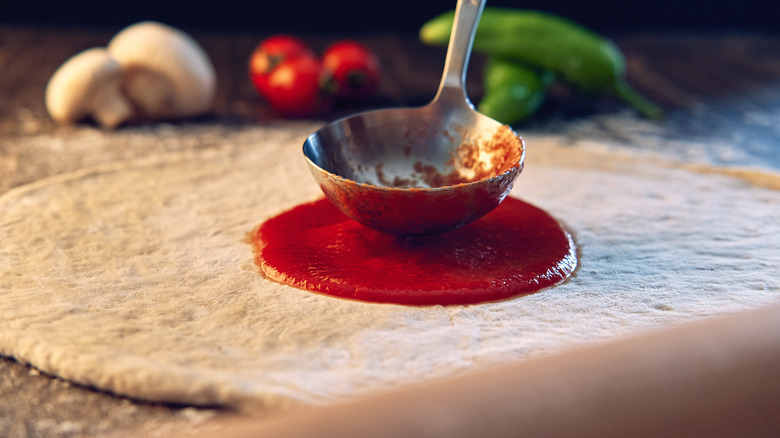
{"x": 87, "y": 84}
{"x": 153, "y": 48}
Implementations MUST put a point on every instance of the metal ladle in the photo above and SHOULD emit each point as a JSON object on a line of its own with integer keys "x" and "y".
{"x": 425, "y": 170}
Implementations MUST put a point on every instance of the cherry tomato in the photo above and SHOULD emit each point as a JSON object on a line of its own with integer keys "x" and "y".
{"x": 354, "y": 67}
{"x": 271, "y": 52}
{"x": 299, "y": 87}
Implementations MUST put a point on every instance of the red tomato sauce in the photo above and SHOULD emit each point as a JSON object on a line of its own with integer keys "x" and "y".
{"x": 514, "y": 250}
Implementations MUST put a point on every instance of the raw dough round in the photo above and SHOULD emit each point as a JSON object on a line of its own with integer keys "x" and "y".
{"x": 136, "y": 278}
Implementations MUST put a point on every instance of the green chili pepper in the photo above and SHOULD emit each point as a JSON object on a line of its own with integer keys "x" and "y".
{"x": 513, "y": 91}
{"x": 587, "y": 61}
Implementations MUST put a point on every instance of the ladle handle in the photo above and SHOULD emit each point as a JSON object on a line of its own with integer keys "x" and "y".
{"x": 453, "y": 81}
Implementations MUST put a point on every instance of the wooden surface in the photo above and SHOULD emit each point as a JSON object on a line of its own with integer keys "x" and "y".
{"x": 721, "y": 92}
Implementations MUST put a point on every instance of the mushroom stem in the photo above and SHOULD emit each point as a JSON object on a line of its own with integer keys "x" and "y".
{"x": 152, "y": 93}
{"x": 110, "y": 107}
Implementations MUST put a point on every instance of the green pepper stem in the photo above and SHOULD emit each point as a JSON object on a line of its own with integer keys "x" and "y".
{"x": 633, "y": 98}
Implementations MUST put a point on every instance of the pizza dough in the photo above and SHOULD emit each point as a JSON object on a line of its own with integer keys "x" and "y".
{"x": 136, "y": 278}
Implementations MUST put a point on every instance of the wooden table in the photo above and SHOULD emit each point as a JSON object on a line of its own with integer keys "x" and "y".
{"x": 721, "y": 91}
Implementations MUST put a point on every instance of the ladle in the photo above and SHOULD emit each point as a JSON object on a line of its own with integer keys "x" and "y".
{"x": 425, "y": 170}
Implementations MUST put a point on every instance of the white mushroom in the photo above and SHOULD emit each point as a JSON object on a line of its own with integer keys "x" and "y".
{"x": 167, "y": 74}
{"x": 88, "y": 85}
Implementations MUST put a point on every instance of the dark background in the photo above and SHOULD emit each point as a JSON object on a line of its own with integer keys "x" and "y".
{"x": 381, "y": 16}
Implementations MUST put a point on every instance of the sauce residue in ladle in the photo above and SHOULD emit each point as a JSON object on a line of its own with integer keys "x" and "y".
{"x": 474, "y": 159}
{"x": 514, "y": 250}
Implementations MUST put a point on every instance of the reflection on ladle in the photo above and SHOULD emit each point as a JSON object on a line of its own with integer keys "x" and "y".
{"x": 426, "y": 170}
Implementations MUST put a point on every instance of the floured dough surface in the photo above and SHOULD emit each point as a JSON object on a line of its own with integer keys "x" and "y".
{"x": 136, "y": 278}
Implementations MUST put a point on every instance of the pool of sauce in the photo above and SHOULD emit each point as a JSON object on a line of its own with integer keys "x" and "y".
{"x": 514, "y": 250}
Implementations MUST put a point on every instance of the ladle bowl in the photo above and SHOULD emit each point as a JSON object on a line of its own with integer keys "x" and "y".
{"x": 425, "y": 170}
